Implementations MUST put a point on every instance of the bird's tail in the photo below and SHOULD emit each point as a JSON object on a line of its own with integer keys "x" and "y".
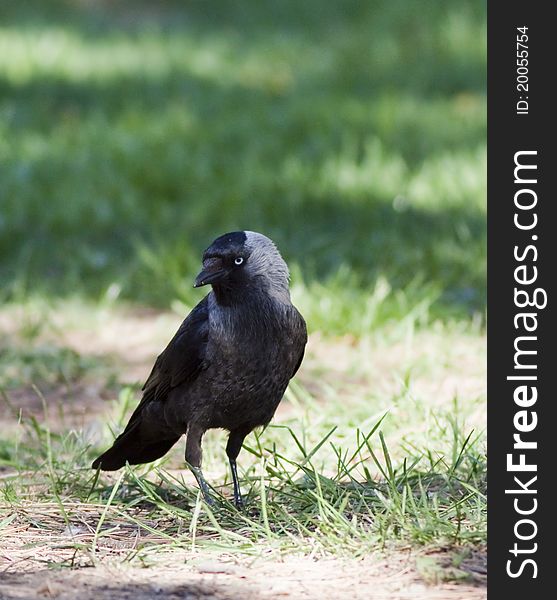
{"x": 134, "y": 448}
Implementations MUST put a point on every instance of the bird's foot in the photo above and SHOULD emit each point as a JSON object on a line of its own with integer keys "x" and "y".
{"x": 203, "y": 486}
{"x": 209, "y": 500}
{"x": 238, "y": 500}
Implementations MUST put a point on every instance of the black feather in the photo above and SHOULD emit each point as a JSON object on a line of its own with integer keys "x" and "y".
{"x": 132, "y": 448}
{"x": 227, "y": 366}
{"x": 147, "y": 435}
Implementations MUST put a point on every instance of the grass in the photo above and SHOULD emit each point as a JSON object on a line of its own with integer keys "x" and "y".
{"x": 341, "y": 493}
{"x": 403, "y": 467}
{"x": 351, "y": 133}
{"x": 130, "y": 140}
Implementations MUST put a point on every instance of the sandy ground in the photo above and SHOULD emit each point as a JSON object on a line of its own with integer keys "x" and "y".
{"x": 195, "y": 577}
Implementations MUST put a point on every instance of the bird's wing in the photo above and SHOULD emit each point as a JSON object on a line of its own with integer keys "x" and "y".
{"x": 301, "y": 339}
{"x": 146, "y": 439}
{"x": 182, "y": 359}
{"x": 299, "y": 362}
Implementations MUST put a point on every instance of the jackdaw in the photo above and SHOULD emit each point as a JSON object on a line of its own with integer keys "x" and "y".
{"x": 228, "y": 364}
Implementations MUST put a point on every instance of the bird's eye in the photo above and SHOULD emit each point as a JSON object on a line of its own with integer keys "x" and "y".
{"x": 238, "y": 261}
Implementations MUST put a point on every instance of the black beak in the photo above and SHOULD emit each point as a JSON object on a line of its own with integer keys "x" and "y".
{"x": 209, "y": 276}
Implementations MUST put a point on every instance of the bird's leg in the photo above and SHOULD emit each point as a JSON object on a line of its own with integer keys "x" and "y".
{"x": 238, "y": 500}
{"x": 203, "y": 485}
{"x": 233, "y": 448}
{"x": 193, "y": 458}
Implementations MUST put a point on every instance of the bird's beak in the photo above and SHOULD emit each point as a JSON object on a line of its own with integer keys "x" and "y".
{"x": 206, "y": 277}
{"x": 212, "y": 273}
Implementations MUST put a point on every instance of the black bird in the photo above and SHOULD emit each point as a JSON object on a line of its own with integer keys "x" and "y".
{"x": 228, "y": 364}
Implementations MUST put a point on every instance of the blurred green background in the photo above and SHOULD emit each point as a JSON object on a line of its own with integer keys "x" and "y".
{"x": 352, "y": 133}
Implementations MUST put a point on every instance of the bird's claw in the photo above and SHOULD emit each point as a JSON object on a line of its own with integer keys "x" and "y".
{"x": 239, "y": 501}
{"x": 209, "y": 500}
{"x": 203, "y": 486}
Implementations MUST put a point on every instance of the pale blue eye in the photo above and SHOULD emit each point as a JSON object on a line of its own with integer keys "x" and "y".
{"x": 238, "y": 261}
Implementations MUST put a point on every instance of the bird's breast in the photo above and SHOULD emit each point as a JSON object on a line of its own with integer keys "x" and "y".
{"x": 246, "y": 378}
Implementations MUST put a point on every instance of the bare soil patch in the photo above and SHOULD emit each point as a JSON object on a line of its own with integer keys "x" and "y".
{"x": 219, "y": 578}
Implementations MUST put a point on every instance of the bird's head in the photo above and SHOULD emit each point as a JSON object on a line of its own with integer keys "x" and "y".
{"x": 244, "y": 260}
